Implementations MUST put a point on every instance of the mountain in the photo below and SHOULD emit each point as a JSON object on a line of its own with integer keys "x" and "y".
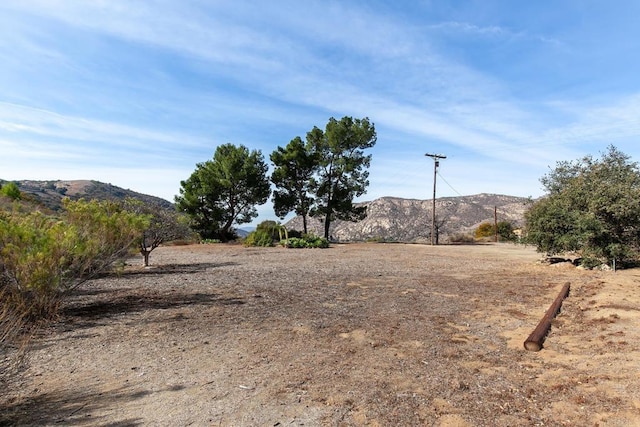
{"x": 388, "y": 218}
{"x": 409, "y": 220}
{"x": 51, "y": 193}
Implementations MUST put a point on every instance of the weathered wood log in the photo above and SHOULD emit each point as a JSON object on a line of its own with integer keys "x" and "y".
{"x": 536, "y": 339}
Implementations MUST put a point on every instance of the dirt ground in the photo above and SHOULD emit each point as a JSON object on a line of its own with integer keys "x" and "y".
{"x": 353, "y": 335}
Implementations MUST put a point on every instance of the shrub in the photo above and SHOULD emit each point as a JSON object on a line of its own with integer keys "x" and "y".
{"x": 266, "y": 234}
{"x": 375, "y": 239}
{"x": 485, "y": 230}
{"x": 210, "y": 241}
{"x": 11, "y": 190}
{"x": 276, "y": 230}
{"x": 461, "y": 238}
{"x": 259, "y": 238}
{"x": 590, "y": 263}
{"x": 43, "y": 256}
{"x": 306, "y": 241}
{"x": 591, "y": 207}
{"x": 505, "y": 231}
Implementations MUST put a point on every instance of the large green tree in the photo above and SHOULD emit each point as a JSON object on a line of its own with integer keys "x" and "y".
{"x": 592, "y": 206}
{"x": 224, "y": 191}
{"x": 342, "y": 173}
{"x": 295, "y": 165}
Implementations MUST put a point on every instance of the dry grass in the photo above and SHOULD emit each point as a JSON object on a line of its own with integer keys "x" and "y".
{"x": 355, "y": 335}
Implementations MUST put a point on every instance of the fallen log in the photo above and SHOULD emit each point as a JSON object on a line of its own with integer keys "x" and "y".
{"x": 535, "y": 340}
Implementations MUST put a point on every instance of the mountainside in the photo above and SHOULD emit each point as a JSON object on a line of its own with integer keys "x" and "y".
{"x": 51, "y": 193}
{"x": 388, "y": 218}
{"x": 409, "y": 220}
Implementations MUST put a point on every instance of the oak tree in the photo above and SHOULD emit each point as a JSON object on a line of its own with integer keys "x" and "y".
{"x": 592, "y": 206}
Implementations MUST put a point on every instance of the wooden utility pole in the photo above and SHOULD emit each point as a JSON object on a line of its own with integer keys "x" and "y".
{"x": 495, "y": 221}
{"x": 436, "y": 162}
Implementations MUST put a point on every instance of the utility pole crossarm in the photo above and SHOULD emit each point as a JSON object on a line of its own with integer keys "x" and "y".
{"x": 436, "y": 162}
{"x": 436, "y": 156}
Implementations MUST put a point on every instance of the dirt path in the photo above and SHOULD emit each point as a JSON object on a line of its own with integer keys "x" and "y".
{"x": 354, "y": 335}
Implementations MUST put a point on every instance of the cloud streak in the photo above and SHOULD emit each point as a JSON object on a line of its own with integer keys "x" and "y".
{"x": 155, "y": 83}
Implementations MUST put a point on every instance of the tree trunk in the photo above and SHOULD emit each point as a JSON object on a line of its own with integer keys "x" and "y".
{"x": 327, "y": 223}
{"x": 145, "y": 255}
{"x": 304, "y": 223}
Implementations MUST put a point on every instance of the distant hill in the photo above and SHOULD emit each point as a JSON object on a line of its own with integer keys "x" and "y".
{"x": 409, "y": 220}
{"x": 51, "y": 193}
{"x": 388, "y": 218}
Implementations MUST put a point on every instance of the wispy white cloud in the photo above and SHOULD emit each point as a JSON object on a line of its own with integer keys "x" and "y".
{"x": 473, "y": 30}
{"x": 19, "y": 120}
{"x": 160, "y": 82}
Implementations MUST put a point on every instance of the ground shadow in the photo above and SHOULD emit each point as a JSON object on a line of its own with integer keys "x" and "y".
{"x": 137, "y": 301}
{"x": 77, "y": 407}
{"x": 163, "y": 269}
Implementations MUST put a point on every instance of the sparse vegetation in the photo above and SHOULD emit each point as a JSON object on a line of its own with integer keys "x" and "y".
{"x": 210, "y": 241}
{"x": 164, "y": 226}
{"x": 44, "y": 257}
{"x": 461, "y": 238}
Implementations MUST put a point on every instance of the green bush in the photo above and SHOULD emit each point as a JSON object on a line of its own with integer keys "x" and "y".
{"x": 259, "y": 238}
{"x": 42, "y": 257}
{"x": 266, "y": 234}
{"x": 306, "y": 241}
{"x": 591, "y": 207}
{"x": 11, "y": 190}
{"x": 591, "y": 263}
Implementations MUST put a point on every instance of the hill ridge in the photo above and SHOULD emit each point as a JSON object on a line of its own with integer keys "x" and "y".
{"x": 49, "y": 193}
{"x": 409, "y": 220}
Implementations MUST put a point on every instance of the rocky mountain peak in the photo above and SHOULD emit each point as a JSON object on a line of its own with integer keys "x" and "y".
{"x": 409, "y": 220}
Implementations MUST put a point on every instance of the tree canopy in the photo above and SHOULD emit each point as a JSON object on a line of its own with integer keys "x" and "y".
{"x": 295, "y": 165}
{"x": 224, "y": 191}
{"x": 342, "y": 168}
{"x": 592, "y": 206}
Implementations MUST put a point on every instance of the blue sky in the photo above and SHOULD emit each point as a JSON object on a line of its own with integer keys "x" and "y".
{"x": 135, "y": 93}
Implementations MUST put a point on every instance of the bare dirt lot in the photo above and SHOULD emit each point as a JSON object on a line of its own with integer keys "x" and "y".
{"x": 353, "y": 335}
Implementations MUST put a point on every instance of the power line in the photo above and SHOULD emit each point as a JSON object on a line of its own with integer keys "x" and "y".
{"x": 449, "y": 185}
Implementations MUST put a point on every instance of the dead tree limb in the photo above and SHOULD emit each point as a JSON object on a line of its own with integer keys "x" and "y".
{"x": 535, "y": 340}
